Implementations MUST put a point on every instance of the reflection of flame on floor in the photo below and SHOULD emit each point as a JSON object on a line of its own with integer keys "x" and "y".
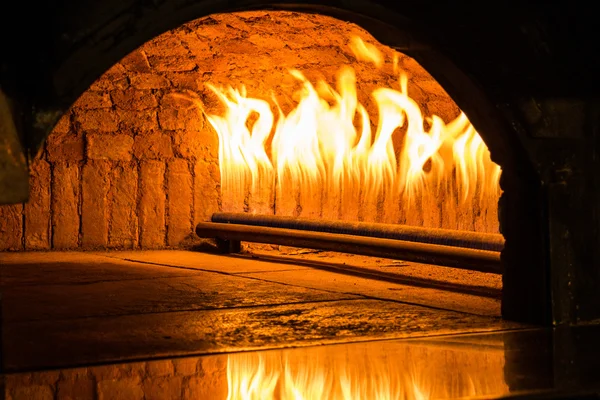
{"x": 405, "y": 373}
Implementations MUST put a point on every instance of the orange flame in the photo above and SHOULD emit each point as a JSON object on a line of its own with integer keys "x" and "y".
{"x": 359, "y": 375}
{"x": 318, "y": 148}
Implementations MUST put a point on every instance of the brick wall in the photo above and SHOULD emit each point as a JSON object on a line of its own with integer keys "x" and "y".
{"x": 130, "y": 165}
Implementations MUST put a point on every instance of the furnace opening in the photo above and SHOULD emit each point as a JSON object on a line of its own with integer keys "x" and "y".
{"x": 268, "y": 113}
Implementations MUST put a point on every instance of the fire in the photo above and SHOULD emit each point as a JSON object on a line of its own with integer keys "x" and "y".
{"x": 325, "y": 147}
{"x": 360, "y": 375}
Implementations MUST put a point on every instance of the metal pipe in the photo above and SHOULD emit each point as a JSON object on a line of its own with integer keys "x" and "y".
{"x": 446, "y": 237}
{"x": 457, "y": 257}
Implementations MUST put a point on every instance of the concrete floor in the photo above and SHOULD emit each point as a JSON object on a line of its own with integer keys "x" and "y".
{"x": 62, "y": 309}
{"x": 182, "y": 324}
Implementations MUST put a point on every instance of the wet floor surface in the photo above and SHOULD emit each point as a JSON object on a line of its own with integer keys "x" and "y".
{"x": 145, "y": 325}
{"x": 534, "y": 363}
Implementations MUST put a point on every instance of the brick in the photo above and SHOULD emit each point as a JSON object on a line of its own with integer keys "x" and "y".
{"x": 133, "y": 99}
{"x": 123, "y": 216}
{"x": 76, "y": 388}
{"x": 236, "y": 46}
{"x": 413, "y": 69}
{"x": 94, "y": 208}
{"x": 206, "y": 189}
{"x": 153, "y": 145}
{"x": 429, "y": 86}
{"x": 160, "y": 368}
{"x": 194, "y": 144}
{"x": 117, "y": 371}
{"x": 186, "y": 366}
{"x": 211, "y": 380}
{"x": 37, "y": 392}
{"x": 172, "y": 63}
{"x": 293, "y": 58}
{"x": 149, "y": 81}
{"x": 91, "y": 100}
{"x": 237, "y": 20}
{"x": 65, "y": 200}
{"x": 210, "y": 29}
{"x": 214, "y": 365}
{"x": 138, "y": 121}
{"x": 167, "y": 44}
{"x": 64, "y": 124}
{"x": 102, "y": 120}
{"x": 11, "y": 227}
{"x": 177, "y": 112}
{"x": 65, "y": 147}
{"x": 198, "y": 48}
{"x": 109, "y": 147}
{"x": 444, "y": 109}
{"x": 163, "y": 388}
{"x": 37, "y": 209}
{"x": 206, "y": 387}
{"x": 136, "y": 61}
{"x": 267, "y": 42}
{"x": 106, "y": 372}
{"x": 173, "y": 118}
{"x": 114, "y": 78}
{"x": 184, "y": 81}
{"x": 18, "y": 379}
{"x": 45, "y": 378}
{"x": 120, "y": 389}
{"x": 152, "y": 204}
{"x": 179, "y": 195}
{"x": 132, "y": 369}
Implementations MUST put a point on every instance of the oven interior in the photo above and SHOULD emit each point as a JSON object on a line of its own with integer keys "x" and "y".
{"x": 269, "y": 204}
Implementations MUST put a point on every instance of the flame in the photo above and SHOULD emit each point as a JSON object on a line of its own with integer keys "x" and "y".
{"x": 366, "y": 51}
{"x": 251, "y": 380}
{"x": 325, "y": 145}
{"x": 364, "y": 375}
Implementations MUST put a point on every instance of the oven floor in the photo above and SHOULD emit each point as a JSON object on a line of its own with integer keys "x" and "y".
{"x": 110, "y": 314}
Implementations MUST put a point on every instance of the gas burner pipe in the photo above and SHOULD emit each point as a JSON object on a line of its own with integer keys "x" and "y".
{"x": 229, "y": 237}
